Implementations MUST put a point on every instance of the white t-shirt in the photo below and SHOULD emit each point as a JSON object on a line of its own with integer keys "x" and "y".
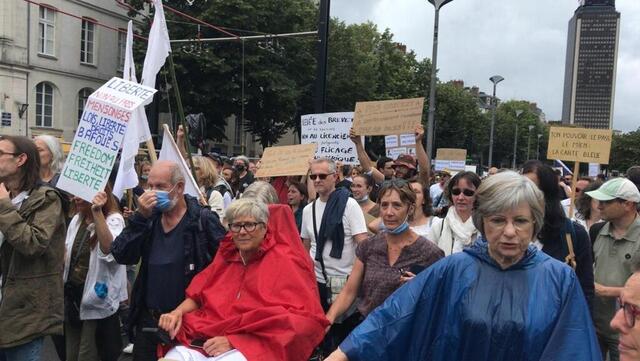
{"x": 435, "y": 190}
{"x": 353, "y": 223}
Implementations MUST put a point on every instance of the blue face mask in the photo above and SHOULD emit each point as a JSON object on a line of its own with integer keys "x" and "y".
{"x": 164, "y": 203}
{"x": 395, "y": 231}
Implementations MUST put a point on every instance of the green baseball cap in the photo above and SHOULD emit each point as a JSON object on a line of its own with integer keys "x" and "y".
{"x": 621, "y": 188}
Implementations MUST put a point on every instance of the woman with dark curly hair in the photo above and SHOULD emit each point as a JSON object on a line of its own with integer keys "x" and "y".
{"x": 587, "y": 212}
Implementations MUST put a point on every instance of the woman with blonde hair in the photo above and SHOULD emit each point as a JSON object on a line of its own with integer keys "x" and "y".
{"x": 207, "y": 177}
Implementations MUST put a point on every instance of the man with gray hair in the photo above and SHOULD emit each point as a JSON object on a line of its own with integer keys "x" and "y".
{"x": 332, "y": 226}
{"x": 174, "y": 238}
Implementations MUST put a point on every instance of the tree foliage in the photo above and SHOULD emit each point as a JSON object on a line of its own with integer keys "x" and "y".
{"x": 625, "y": 151}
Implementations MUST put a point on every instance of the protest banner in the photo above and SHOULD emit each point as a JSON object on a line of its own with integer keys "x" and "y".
{"x": 388, "y": 116}
{"x": 450, "y": 159}
{"x": 286, "y": 160}
{"x": 396, "y": 145}
{"x": 99, "y": 136}
{"x": 330, "y": 131}
{"x": 579, "y": 144}
{"x": 594, "y": 169}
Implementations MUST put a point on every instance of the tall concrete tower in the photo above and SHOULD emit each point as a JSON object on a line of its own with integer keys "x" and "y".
{"x": 590, "y": 71}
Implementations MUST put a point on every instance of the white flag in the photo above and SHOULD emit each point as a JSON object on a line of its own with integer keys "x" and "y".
{"x": 171, "y": 152}
{"x": 158, "y": 47}
{"x": 137, "y": 130}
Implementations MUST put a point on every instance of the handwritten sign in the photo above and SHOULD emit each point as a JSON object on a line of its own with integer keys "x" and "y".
{"x": 286, "y": 160}
{"x": 99, "y": 136}
{"x": 388, "y": 116}
{"x": 580, "y": 144}
{"x": 396, "y": 145}
{"x": 450, "y": 159}
{"x": 331, "y": 132}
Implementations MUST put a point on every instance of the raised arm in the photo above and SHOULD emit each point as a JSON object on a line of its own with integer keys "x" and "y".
{"x": 363, "y": 158}
{"x": 424, "y": 161}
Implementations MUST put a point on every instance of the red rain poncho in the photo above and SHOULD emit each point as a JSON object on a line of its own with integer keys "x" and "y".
{"x": 269, "y": 309}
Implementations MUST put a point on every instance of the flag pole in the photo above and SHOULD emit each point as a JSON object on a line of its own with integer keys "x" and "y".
{"x": 182, "y": 120}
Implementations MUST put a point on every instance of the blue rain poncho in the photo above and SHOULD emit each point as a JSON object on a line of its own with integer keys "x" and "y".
{"x": 465, "y": 307}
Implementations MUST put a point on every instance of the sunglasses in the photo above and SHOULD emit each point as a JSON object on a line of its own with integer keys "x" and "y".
{"x": 321, "y": 176}
{"x": 630, "y": 312}
{"x": 465, "y": 191}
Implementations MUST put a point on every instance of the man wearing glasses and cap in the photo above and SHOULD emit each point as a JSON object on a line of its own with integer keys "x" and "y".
{"x": 615, "y": 243}
{"x": 626, "y": 321}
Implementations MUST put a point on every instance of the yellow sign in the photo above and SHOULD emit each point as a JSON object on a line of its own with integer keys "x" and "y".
{"x": 388, "y": 117}
{"x": 451, "y": 154}
{"x": 286, "y": 160}
{"x": 579, "y": 144}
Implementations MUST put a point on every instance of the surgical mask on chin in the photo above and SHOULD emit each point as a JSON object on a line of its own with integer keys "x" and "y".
{"x": 395, "y": 231}
{"x": 364, "y": 199}
{"x": 164, "y": 202}
{"x": 144, "y": 177}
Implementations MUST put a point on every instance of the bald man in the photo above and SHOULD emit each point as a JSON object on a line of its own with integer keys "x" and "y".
{"x": 174, "y": 238}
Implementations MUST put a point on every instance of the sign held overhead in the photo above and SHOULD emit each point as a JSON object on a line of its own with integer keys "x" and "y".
{"x": 388, "y": 116}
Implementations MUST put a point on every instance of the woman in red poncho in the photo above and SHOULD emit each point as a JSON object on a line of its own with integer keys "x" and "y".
{"x": 258, "y": 300}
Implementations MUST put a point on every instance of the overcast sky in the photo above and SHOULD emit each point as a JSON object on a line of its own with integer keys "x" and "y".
{"x": 524, "y": 41}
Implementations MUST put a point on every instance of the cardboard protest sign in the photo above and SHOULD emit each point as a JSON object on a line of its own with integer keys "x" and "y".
{"x": 99, "y": 136}
{"x": 331, "y": 132}
{"x": 396, "y": 145}
{"x": 286, "y": 160}
{"x": 388, "y": 116}
{"x": 580, "y": 144}
{"x": 450, "y": 159}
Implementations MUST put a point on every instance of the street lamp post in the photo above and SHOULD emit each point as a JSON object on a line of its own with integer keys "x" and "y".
{"x": 538, "y": 147}
{"x": 529, "y": 141}
{"x": 515, "y": 139}
{"x": 495, "y": 80}
{"x": 437, "y": 4}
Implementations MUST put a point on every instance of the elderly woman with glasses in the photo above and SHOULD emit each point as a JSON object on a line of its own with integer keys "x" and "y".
{"x": 456, "y": 231}
{"x": 501, "y": 299}
{"x": 258, "y": 300}
{"x": 388, "y": 259}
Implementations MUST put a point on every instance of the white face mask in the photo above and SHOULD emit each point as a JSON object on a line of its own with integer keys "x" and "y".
{"x": 364, "y": 199}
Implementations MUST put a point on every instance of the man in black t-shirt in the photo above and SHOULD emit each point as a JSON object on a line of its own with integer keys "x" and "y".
{"x": 174, "y": 238}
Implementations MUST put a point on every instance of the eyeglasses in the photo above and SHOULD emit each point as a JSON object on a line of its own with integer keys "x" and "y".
{"x": 321, "y": 176}
{"x": 630, "y": 312}
{"x": 248, "y": 226}
{"x": 2, "y": 152}
{"x": 520, "y": 223}
{"x": 465, "y": 191}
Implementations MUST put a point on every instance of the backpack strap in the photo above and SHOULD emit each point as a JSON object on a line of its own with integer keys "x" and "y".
{"x": 595, "y": 230}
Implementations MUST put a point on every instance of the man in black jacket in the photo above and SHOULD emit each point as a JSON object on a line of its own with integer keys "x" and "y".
{"x": 174, "y": 238}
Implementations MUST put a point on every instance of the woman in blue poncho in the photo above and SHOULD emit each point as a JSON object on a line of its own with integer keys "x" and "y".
{"x": 500, "y": 299}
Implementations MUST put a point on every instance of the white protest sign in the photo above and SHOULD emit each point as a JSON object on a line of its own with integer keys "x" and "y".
{"x": 594, "y": 169}
{"x": 330, "y": 131}
{"x": 396, "y": 145}
{"x": 99, "y": 136}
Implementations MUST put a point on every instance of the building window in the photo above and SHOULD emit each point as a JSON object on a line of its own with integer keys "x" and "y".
{"x": 46, "y": 28}
{"x": 238, "y": 132}
{"x": 87, "y": 41}
{"x": 83, "y": 95}
{"x": 122, "y": 45}
{"x": 44, "y": 105}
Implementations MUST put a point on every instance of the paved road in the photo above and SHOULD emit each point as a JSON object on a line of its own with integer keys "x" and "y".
{"x": 49, "y": 352}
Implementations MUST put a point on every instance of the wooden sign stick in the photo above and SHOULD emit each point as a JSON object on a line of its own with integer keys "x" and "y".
{"x": 576, "y": 171}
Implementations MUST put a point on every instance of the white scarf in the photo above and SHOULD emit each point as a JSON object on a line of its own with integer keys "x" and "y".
{"x": 456, "y": 234}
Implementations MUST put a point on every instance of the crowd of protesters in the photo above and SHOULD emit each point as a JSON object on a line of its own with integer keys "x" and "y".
{"x": 387, "y": 260}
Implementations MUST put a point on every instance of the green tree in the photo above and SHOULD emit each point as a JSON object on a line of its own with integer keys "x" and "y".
{"x": 625, "y": 151}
